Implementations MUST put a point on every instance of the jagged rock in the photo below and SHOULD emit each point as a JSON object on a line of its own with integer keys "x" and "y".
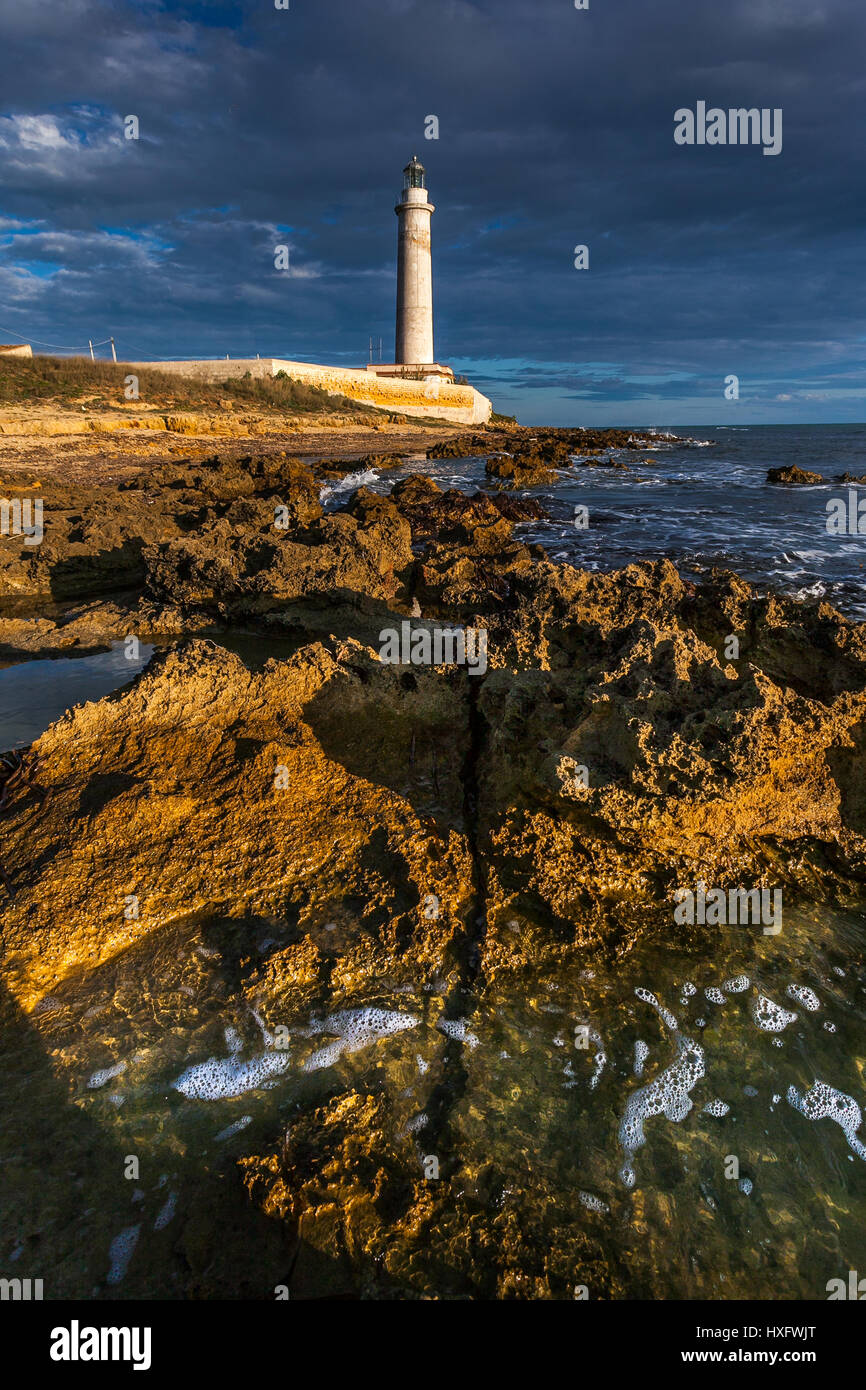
{"x": 794, "y": 475}
{"x": 243, "y": 565}
{"x": 530, "y": 470}
{"x": 169, "y": 791}
{"x": 405, "y": 831}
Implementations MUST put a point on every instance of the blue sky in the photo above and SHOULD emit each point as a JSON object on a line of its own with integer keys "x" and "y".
{"x": 260, "y": 127}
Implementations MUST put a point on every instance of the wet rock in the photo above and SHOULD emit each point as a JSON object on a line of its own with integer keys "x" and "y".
{"x": 369, "y": 1224}
{"x": 464, "y": 446}
{"x": 530, "y": 470}
{"x": 794, "y": 475}
{"x": 555, "y": 445}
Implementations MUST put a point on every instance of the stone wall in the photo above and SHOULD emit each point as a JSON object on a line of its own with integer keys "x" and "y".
{"x": 434, "y": 398}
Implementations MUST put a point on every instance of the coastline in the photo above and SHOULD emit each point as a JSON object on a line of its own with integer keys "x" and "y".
{"x": 335, "y": 848}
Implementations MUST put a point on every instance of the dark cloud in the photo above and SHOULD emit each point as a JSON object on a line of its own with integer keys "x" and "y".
{"x": 261, "y": 127}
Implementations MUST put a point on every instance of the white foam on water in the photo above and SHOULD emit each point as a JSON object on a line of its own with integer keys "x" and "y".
{"x": 593, "y": 1203}
{"x": 716, "y": 1107}
{"x": 770, "y": 1017}
{"x": 599, "y": 1056}
{"x": 822, "y": 1101}
{"x": 805, "y": 996}
{"x": 701, "y": 1022}
{"x": 231, "y": 1130}
{"x": 668, "y": 1094}
{"x": 223, "y": 1078}
{"x": 166, "y": 1212}
{"x": 600, "y": 1059}
{"x": 830, "y": 1027}
{"x": 268, "y": 1038}
{"x": 745, "y": 1186}
{"x": 714, "y": 995}
{"x": 234, "y": 1041}
{"x": 121, "y": 1251}
{"x": 356, "y": 1028}
{"x": 325, "y": 1056}
{"x": 664, "y": 1014}
{"x": 736, "y": 985}
{"x": 641, "y": 1052}
{"x": 359, "y": 1026}
{"x": 99, "y": 1078}
{"x": 749, "y": 1091}
{"x": 363, "y": 477}
{"x": 457, "y": 1028}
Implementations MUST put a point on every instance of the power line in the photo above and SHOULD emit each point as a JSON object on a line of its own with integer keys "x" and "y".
{"x": 62, "y": 347}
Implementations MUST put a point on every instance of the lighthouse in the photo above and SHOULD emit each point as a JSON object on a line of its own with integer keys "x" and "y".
{"x": 414, "y": 270}
{"x": 415, "y": 383}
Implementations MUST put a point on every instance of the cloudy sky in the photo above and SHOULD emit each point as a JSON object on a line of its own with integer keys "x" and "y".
{"x": 261, "y": 127}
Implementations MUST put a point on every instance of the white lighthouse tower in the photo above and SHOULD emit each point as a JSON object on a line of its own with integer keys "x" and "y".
{"x": 414, "y": 270}
{"x": 426, "y": 382}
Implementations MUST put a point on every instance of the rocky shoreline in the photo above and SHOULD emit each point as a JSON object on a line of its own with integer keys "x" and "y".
{"x": 406, "y": 829}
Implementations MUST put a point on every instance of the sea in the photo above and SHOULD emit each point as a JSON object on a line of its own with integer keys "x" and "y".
{"x": 703, "y": 502}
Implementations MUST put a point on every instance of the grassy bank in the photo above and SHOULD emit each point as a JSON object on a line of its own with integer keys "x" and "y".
{"x": 69, "y": 382}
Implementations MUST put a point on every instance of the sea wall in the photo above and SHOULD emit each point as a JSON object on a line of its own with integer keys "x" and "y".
{"x": 434, "y": 398}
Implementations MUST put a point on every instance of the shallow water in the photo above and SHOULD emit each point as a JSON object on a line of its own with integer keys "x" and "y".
{"x": 781, "y": 1219}
{"x": 161, "y": 1055}
{"x": 34, "y": 694}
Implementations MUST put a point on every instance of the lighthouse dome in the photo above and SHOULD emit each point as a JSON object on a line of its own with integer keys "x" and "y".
{"x": 413, "y": 174}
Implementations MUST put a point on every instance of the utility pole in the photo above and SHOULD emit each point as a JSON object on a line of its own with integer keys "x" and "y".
{"x": 113, "y": 351}
{"x": 92, "y": 358}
